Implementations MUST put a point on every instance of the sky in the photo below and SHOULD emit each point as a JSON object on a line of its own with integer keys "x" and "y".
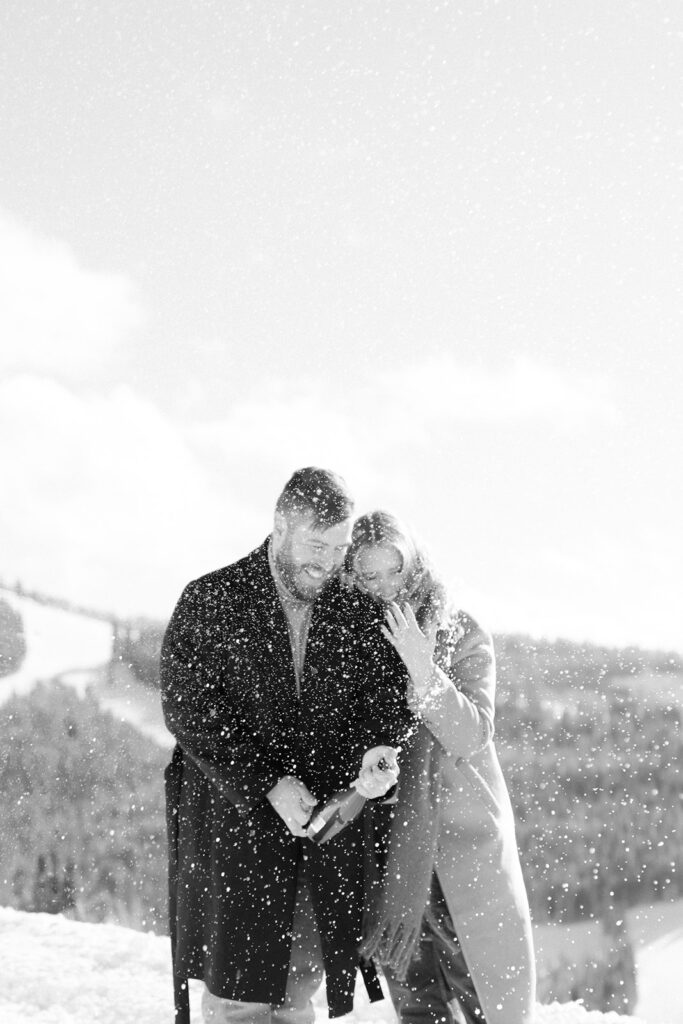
{"x": 433, "y": 246}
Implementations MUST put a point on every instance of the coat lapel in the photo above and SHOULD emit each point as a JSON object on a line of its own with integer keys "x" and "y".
{"x": 269, "y": 623}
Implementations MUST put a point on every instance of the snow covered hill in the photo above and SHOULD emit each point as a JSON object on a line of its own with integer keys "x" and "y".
{"x": 109, "y": 965}
{"x": 54, "y": 971}
{"x": 76, "y": 650}
{"x": 58, "y": 642}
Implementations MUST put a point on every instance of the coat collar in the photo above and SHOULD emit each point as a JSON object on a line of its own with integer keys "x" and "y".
{"x": 331, "y": 608}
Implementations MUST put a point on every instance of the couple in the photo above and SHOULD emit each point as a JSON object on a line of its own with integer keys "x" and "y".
{"x": 294, "y": 673}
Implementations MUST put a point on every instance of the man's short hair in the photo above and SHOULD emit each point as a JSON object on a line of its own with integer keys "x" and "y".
{"x": 318, "y": 493}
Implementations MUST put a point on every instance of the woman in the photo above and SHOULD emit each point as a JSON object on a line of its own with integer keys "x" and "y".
{"x": 452, "y": 926}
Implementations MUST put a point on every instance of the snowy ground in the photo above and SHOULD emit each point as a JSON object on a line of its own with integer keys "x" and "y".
{"x": 112, "y": 973}
{"x": 659, "y": 959}
{"x": 656, "y": 933}
{"x": 54, "y": 971}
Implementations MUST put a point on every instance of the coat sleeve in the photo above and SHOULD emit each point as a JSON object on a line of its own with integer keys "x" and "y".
{"x": 459, "y": 706}
{"x": 200, "y": 714}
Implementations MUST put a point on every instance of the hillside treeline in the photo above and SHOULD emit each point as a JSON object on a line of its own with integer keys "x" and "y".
{"x": 137, "y": 645}
{"x": 592, "y": 768}
{"x": 593, "y": 763}
{"x": 526, "y": 667}
{"x": 593, "y": 771}
{"x": 12, "y": 639}
{"x": 81, "y": 812}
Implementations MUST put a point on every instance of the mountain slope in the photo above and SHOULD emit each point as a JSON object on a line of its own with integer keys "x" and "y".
{"x": 76, "y": 650}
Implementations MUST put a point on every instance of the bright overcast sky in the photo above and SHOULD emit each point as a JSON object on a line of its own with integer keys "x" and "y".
{"x": 434, "y": 246}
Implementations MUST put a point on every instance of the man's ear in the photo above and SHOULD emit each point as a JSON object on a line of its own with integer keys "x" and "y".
{"x": 279, "y": 527}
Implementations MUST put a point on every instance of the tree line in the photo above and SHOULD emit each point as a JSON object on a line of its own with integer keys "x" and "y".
{"x": 593, "y": 770}
{"x": 82, "y": 826}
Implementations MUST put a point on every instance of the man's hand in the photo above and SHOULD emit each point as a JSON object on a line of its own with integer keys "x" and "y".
{"x": 293, "y": 802}
{"x": 379, "y": 772}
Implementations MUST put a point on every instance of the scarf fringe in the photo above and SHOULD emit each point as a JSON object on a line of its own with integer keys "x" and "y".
{"x": 392, "y": 947}
{"x": 394, "y": 920}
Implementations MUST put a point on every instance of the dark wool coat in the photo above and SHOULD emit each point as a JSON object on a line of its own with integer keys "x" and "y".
{"x": 229, "y": 697}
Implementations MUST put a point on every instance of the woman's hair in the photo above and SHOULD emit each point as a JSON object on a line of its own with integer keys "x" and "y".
{"x": 424, "y": 591}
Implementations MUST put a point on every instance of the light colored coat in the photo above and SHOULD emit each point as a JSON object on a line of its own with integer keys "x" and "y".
{"x": 477, "y": 862}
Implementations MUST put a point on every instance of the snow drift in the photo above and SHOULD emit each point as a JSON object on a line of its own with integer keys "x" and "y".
{"x": 56, "y": 971}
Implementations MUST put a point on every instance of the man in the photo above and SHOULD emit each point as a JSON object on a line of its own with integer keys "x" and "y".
{"x": 279, "y": 694}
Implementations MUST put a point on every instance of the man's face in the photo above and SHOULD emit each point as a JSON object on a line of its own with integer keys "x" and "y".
{"x": 308, "y": 557}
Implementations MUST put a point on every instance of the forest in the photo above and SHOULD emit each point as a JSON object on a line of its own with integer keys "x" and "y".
{"x": 81, "y": 810}
{"x": 591, "y": 751}
{"x": 592, "y": 761}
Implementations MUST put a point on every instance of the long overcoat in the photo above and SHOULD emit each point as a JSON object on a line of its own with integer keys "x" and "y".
{"x": 230, "y": 699}
{"x": 477, "y": 861}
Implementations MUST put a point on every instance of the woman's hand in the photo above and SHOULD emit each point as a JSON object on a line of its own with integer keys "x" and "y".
{"x": 415, "y": 647}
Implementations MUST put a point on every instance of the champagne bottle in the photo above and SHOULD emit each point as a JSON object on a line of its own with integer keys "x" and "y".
{"x": 335, "y": 814}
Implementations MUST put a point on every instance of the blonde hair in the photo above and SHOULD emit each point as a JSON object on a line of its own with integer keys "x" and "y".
{"x": 424, "y": 591}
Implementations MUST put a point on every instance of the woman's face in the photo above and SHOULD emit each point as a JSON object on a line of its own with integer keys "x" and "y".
{"x": 379, "y": 571}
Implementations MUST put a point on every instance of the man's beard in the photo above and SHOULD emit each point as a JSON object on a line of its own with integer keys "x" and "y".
{"x": 294, "y": 577}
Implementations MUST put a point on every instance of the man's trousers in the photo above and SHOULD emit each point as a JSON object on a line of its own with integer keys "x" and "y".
{"x": 304, "y": 978}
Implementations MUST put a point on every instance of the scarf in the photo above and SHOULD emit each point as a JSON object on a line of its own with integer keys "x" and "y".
{"x": 393, "y": 922}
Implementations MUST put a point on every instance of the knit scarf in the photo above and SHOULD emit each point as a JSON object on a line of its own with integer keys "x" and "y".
{"x": 393, "y": 922}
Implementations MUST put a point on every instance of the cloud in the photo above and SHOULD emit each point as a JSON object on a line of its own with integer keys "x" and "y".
{"x": 283, "y": 428}
{"x": 611, "y": 590}
{"x": 104, "y": 501}
{"x": 110, "y": 501}
{"x": 402, "y": 406}
{"x": 382, "y": 434}
{"x": 443, "y": 390}
{"x": 56, "y": 316}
